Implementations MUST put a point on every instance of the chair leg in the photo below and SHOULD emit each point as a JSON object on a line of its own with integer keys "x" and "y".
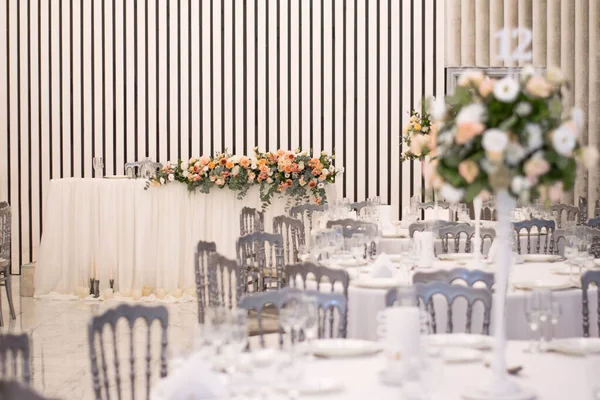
{"x": 8, "y": 286}
{"x": 1, "y": 319}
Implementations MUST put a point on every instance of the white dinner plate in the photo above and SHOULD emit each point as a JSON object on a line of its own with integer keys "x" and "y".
{"x": 456, "y": 257}
{"x": 349, "y": 262}
{"x": 464, "y": 340}
{"x": 343, "y": 348}
{"x": 544, "y": 284}
{"x": 117, "y": 177}
{"x": 378, "y": 283}
{"x": 541, "y": 257}
{"x": 575, "y": 346}
{"x": 394, "y": 235}
{"x": 454, "y": 355}
{"x": 397, "y": 258}
{"x": 312, "y": 386}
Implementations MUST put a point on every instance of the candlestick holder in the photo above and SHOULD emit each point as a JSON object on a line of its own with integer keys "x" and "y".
{"x": 96, "y": 288}
{"x": 91, "y": 285}
{"x": 111, "y": 282}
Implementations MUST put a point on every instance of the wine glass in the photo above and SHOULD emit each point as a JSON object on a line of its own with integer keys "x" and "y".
{"x": 571, "y": 252}
{"x": 555, "y": 312}
{"x": 533, "y": 313}
{"x": 358, "y": 243}
{"x": 292, "y": 316}
{"x": 217, "y": 326}
{"x": 98, "y": 164}
{"x": 311, "y": 324}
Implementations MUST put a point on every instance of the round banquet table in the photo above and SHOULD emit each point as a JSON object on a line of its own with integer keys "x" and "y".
{"x": 138, "y": 237}
{"x": 364, "y": 304}
{"x": 359, "y": 377}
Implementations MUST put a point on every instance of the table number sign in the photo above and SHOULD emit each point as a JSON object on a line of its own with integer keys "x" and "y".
{"x": 520, "y": 53}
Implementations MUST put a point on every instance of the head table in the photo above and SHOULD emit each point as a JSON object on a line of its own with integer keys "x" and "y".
{"x": 137, "y": 237}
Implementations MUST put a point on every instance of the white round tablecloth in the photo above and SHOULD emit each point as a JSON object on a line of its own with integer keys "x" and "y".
{"x": 138, "y": 237}
{"x": 365, "y": 303}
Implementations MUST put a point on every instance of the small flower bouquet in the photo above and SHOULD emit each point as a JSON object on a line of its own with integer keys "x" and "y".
{"x": 508, "y": 135}
{"x": 417, "y": 136}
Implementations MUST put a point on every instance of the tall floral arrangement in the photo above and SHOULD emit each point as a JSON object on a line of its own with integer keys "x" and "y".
{"x": 298, "y": 173}
{"x": 507, "y": 134}
{"x": 417, "y": 135}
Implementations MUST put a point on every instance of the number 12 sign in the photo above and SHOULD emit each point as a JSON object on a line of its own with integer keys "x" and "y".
{"x": 520, "y": 53}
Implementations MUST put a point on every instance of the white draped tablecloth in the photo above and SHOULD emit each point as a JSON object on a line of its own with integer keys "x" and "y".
{"x": 364, "y": 304}
{"x": 551, "y": 376}
{"x": 138, "y": 237}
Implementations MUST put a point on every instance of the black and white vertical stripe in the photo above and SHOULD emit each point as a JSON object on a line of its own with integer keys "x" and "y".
{"x": 166, "y": 79}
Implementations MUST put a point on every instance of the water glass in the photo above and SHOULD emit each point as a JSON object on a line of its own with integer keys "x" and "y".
{"x": 217, "y": 325}
{"x": 555, "y": 313}
{"x": 98, "y": 164}
{"x": 537, "y": 312}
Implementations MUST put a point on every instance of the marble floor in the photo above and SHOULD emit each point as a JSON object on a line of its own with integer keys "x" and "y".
{"x": 60, "y": 359}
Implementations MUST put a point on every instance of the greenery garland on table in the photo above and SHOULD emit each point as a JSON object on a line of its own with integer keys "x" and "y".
{"x": 298, "y": 173}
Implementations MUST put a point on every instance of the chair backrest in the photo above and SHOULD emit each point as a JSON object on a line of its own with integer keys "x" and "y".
{"x": 319, "y": 272}
{"x": 488, "y": 211}
{"x": 426, "y": 291}
{"x": 469, "y": 276}
{"x": 431, "y": 205}
{"x": 264, "y": 264}
{"x": 226, "y": 281}
{"x": 545, "y": 231}
{"x": 203, "y": 252}
{"x": 96, "y": 333}
{"x": 5, "y": 232}
{"x": 586, "y": 279}
{"x": 351, "y": 227}
{"x": 328, "y": 303}
{"x": 583, "y": 209}
{"x": 456, "y": 231}
{"x": 142, "y": 169}
{"x": 593, "y": 222}
{"x": 251, "y": 220}
{"x": 571, "y": 213}
{"x": 293, "y": 234}
{"x": 358, "y": 206}
{"x": 422, "y": 225}
{"x": 12, "y": 349}
{"x": 305, "y": 213}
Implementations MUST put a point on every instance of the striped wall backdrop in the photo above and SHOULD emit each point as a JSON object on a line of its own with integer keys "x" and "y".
{"x": 167, "y": 79}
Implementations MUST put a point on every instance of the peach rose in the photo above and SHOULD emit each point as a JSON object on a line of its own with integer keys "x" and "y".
{"x": 538, "y": 86}
{"x": 211, "y": 165}
{"x": 471, "y": 77}
{"x": 229, "y": 164}
{"x": 288, "y": 182}
{"x": 536, "y": 166}
{"x": 262, "y": 161}
{"x": 486, "y": 87}
{"x": 280, "y": 152}
{"x": 469, "y": 170}
{"x": 222, "y": 162}
{"x": 322, "y": 177}
{"x": 204, "y": 160}
{"x": 467, "y": 130}
{"x": 312, "y": 184}
{"x": 245, "y": 162}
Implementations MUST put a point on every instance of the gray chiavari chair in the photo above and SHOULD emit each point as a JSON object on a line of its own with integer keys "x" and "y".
{"x": 320, "y": 273}
{"x": 14, "y": 350}
{"x": 251, "y": 220}
{"x": 201, "y": 259}
{"x": 260, "y": 255}
{"x": 422, "y": 225}
{"x": 571, "y": 213}
{"x": 329, "y": 303}
{"x": 586, "y": 279}
{"x": 293, "y": 234}
{"x": 306, "y": 213}
{"x": 583, "y": 209}
{"x": 456, "y": 231}
{"x": 426, "y": 292}
{"x": 469, "y": 276}
{"x": 593, "y": 222}
{"x": 5, "y": 258}
{"x": 430, "y": 205}
{"x": 358, "y": 206}
{"x": 142, "y": 169}
{"x": 545, "y": 231}
{"x": 96, "y": 329}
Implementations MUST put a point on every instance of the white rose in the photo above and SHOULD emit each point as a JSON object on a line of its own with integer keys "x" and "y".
{"x": 514, "y": 153}
{"x": 451, "y": 194}
{"x": 269, "y": 180}
{"x": 235, "y": 170}
{"x": 506, "y": 90}
{"x": 205, "y": 168}
{"x": 527, "y": 72}
{"x": 425, "y": 129}
{"x": 564, "y": 141}
{"x": 253, "y": 166}
{"x": 162, "y": 181}
{"x": 324, "y": 153}
{"x": 325, "y": 172}
{"x": 494, "y": 140}
{"x": 555, "y": 76}
{"x": 331, "y": 169}
{"x": 535, "y": 139}
{"x": 186, "y": 173}
{"x": 171, "y": 177}
{"x": 270, "y": 173}
{"x": 184, "y": 165}
{"x": 236, "y": 159}
{"x": 301, "y": 165}
{"x": 523, "y": 109}
{"x": 519, "y": 184}
{"x": 472, "y": 113}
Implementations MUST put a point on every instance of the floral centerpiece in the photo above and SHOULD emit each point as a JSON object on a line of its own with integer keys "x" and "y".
{"x": 507, "y": 134}
{"x": 509, "y": 137}
{"x": 417, "y": 135}
{"x": 298, "y": 173}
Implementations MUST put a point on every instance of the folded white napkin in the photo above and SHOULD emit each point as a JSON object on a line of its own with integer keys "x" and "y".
{"x": 194, "y": 380}
{"x": 385, "y": 218}
{"x": 425, "y": 247}
{"x": 383, "y": 267}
